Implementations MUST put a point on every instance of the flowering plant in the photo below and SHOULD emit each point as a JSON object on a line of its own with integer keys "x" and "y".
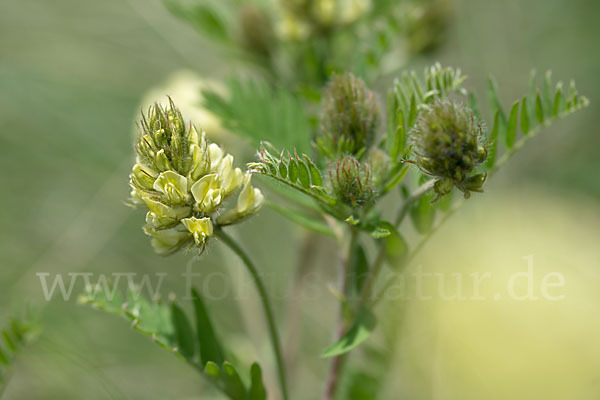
{"x": 337, "y": 157}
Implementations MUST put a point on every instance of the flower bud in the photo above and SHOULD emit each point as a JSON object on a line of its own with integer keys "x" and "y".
{"x": 257, "y": 32}
{"x": 350, "y": 117}
{"x": 250, "y": 200}
{"x": 449, "y": 146}
{"x": 351, "y": 181}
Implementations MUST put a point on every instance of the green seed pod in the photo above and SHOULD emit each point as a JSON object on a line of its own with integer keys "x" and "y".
{"x": 351, "y": 181}
{"x": 448, "y": 145}
{"x": 350, "y": 118}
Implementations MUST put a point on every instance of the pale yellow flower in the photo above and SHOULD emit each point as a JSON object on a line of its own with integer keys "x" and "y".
{"x": 201, "y": 228}
{"x": 184, "y": 181}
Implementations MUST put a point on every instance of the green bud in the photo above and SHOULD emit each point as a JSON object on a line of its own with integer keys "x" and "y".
{"x": 350, "y": 118}
{"x": 257, "y": 31}
{"x": 351, "y": 181}
{"x": 143, "y": 177}
{"x": 449, "y": 146}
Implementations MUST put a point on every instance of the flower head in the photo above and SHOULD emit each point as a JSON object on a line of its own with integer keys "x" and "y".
{"x": 351, "y": 181}
{"x": 449, "y": 146}
{"x": 184, "y": 181}
{"x": 350, "y": 117}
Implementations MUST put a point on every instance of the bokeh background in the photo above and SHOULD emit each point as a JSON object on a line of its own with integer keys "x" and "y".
{"x": 72, "y": 78}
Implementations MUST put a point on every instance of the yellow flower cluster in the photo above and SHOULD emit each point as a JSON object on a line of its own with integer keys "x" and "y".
{"x": 184, "y": 182}
{"x": 301, "y": 17}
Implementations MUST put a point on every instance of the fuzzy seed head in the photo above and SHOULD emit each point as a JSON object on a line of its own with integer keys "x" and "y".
{"x": 350, "y": 118}
{"x": 448, "y": 143}
{"x": 351, "y": 181}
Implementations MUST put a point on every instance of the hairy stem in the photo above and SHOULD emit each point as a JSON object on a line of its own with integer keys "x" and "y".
{"x": 379, "y": 260}
{"x": 338, "y": 362}
{"x": 228, "y": 240}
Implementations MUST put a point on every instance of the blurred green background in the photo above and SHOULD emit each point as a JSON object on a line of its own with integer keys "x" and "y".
{"x": 72, "y": 76}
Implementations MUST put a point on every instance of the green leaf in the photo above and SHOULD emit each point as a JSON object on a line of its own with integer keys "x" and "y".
{"x": 3, "y": 358}
{"x": 524, "y": 116}
{"x": 202, "y": 17}
{"x": 359, "y": 268}
{"x": 234, "y": 388}
{"x": 396, "y": 177}
{"x": 257, "y": 389}
{"x": 21, "y": 332}
{"x": 396, "y": 247}
{"x": 494, "y": 101}
{"x": 547, "y": 92}
{"x": 558, "y": 101}
{"x": 474, "y": 105}
{"x": 260, "y": 113}
{"x": 184, "y": 334}
{"x": 10, "y": 344}
{"x": 380, "y": 232}
{"x": 423, "y": 214}
{"x": 399, "y": 137}
{"x": 445, "y": 202}
{"x": 283, "y": 169}
{"x": 315, "y": 175}
{"x": 363, "y": 386}
{"x": 493, "y": 141}
{"x": 539, "y": 108}
{"x": 412, "y": 114}
{"x": 303, "y": 175}
{"x": 210, "y": 348}
{"x": 213, "y": 371}
{"x": 360, "y": 330}
{"x": 511, "y": 129}
{"x": 293, "y": 170}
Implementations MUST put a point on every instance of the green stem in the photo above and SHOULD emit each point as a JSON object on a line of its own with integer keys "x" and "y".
{"x": 228, "y": 240}
{"x": 338, "y": 362}
{"x": 380, "y": 258}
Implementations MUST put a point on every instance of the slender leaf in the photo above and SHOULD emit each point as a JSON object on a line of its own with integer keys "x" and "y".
{"x": 423, "y": 214}
{"x": 359, "y": 268}
{"x": 539, "y": 108}
{"x": 511, "y": 129}
{"x": 558, "y": 101}
{"x": 494, "y": 100}
{"x": 399, "y": 136}
{"x": 493, "y": 141}
{"x": 396, "y": 247}
{"x": 303, "y": 175}
{"x": 315, "y": 175}
{"x": 524, "y": 116}
{"x": 210, "y": 348}
{"x": 257, "y": 389}
{"x": 184, "y": 334}
{"x": 360, "y": 330}
{"x": 233, "y": 383}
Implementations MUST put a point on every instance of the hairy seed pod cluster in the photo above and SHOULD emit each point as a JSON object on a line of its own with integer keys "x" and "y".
{"x": 448, "y": 145}
{"x": 351, "y": 181}
{"x": 183, "y": 181}
{"x": 350, "y": 117}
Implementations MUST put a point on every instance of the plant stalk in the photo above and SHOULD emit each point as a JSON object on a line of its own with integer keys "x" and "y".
{"x": 338, "y": 362}
{"x": 275, "y": 342}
